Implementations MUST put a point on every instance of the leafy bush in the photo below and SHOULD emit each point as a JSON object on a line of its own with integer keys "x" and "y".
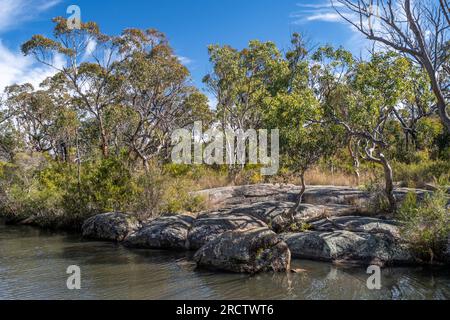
{"x": 51, "y": 194}
{"x": 379, "y": 202}
{"x": 426, "y": 224}
{"x": 417, "y": 174}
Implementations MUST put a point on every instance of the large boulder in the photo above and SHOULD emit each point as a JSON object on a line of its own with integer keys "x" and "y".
{"x": 252, "y": 251}
{"x": 209, "y": 226}
{"x": 349, "y": 247}
{"x": 113, "y": 226}
{"x": 162, "y": 233}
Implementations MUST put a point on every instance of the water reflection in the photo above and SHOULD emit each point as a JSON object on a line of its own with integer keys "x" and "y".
{"x": 33, "y": 265}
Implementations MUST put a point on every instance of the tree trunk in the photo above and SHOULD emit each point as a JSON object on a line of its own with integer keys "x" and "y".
{"x": 441, "y": 103}
{"x": 355, "y": 156}
{"x": 302, "y": 192}
{"x": 143, "y": 158}
{"x": 78, "y": 171}
{"x": 104, "y": 141}
{"x": 425, "y": 59}
{"x": 389, "y": 177}
{"x": 146, "y": 166}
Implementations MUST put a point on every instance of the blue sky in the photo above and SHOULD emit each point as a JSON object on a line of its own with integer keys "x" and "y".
{"x": 191, "y": 25}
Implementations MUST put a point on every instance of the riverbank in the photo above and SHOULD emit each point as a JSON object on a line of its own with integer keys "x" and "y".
{"x": 33, "y": 265}
{"x": 252, "y": 229}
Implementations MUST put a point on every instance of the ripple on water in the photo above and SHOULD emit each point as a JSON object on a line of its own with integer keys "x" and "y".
{"x": 33, "y": 265}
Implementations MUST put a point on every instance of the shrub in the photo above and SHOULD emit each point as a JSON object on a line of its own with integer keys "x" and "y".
{"x": 379, "y": 202}
{"x": 418, "y": 174}
{"x": 426, "y": 224}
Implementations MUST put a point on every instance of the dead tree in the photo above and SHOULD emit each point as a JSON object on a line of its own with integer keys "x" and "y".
{"x": 418, "y": 29}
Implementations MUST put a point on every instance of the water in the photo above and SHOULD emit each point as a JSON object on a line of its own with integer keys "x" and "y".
{"x": 33, "y": 265}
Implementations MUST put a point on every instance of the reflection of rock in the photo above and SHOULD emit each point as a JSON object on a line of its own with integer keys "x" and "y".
{"x": 447, "y": 251}
{"x": 209, "y": 226}
{"x": 345, "y": 246}
{"x": 162, "y": 233}
{"x": 252, "y": 251}
{"x": 333, "y": 274}
{"x": 113, "y": 226}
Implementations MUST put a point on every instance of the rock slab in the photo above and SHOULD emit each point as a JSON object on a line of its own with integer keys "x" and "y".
{"x": 113, "y": 226}
{"x": 162, "y": 233}
{"x": 209, "y": 226}
{"x": 349, "y": 247}
{"x": 251, "y": 251}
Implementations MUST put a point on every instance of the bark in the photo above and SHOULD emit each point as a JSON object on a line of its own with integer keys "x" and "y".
{"x": 415, "y": 45}
{"x": 425, "y": 59}
{"x": 389, "y": 178}
{"x": 104, "y": 141}
{"x": 302, "y": 192}
{"x": 355, "y": 156}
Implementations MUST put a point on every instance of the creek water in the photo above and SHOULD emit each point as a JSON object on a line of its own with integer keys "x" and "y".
{"x": 33, "y": 265}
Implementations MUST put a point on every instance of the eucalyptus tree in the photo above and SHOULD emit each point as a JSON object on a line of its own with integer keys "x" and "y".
{"x": 330, "y": 71}
{"x": 304, "y": 140}
{"x": 43, "y": 122}
{"x": 418, "y": 104}
{"x": 295, "y": 110}
{"x": 418, "y": 29}
{"x": 85, "y": 58}
{"x": 241, "y": 80}
{"x": 365, "y": 101}
{"x": 10, "y": 141}
{"x": 33, "y": 115}
{"x": 156, "y": 92}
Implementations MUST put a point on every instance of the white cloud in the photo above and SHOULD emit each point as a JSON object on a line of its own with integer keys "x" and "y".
{"x": 327, "y": 17}
{"x": 319, "y": 6}
{"x": 14, "y": 67}
{"x": 326, "y": 12}
{"x": 184, "y": 60}
{"x": 212, "y": 101}
{"x": 15, "y": 12}
{"x": 90, "y": 48}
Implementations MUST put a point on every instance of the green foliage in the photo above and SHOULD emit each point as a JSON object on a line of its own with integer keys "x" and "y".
{"x": 426, "y": 224}
{"x": 421, "y": 172}
{"x": 379, "y": 202}
{"x": 96, "y": 136}
{"x": 299, "y": 227}
{"x": 49, "y": 194}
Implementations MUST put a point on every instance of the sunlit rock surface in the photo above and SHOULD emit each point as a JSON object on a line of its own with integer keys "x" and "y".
{"x": 113, "y": 226}
{"x": 162, "y": 233}
{"x": 251, "y": 251}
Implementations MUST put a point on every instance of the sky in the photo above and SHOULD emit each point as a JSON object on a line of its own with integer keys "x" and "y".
{"x": 190, "y": 25}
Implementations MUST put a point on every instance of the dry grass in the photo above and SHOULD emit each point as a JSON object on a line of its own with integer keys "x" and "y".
{"x": 212, "y": 181}
{"x": 318, "y": 176}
